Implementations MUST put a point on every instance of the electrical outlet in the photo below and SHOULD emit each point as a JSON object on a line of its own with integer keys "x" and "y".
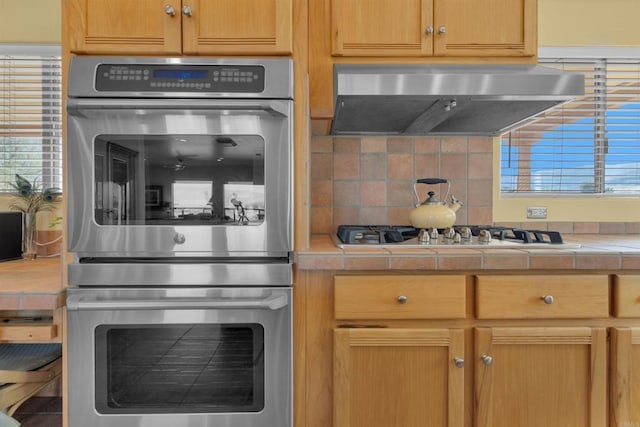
{"x": 537, "y": 212}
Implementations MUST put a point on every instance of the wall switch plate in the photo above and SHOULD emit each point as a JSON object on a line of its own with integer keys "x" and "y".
{"x": 537, "y": 212}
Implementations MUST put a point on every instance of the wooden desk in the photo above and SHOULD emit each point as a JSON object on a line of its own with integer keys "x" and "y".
{"x": 31, "y": 300}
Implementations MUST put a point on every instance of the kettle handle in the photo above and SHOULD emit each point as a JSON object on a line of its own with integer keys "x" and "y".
{"x": 431, "y": 181}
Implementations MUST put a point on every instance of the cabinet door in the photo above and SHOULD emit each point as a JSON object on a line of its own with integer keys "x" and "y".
{"x": 625, "y": 377}
{"x": 238, "y": 26}
{"x": 398, "y": 377}
{"x": 124, "y": 26}
{"x": 381, "y": 27}
{"x": 532, "y": 377}
{"x": 485, "y": 27}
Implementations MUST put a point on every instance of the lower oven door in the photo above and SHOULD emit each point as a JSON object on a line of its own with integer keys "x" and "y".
{"x": 180, "y": 357}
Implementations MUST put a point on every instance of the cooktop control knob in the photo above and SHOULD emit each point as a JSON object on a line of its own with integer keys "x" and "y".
{"x": 179, "y": 238}
{"x": 449, "y": 233}
{"x": 433, "y": 233}
{"x": 423, "y": 237}
{"x": 484, "y": 236}
{"x": 465, "y": 233}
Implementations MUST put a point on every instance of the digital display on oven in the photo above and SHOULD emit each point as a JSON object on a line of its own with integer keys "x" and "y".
{"x": 227, "y": 78}
{"x": 180, "y": 74}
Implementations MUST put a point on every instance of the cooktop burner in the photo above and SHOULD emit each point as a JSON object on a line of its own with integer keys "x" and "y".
{"x": 459, "y": 235}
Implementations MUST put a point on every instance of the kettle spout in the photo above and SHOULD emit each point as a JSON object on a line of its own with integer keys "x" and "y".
{"x": 455, "y": 204}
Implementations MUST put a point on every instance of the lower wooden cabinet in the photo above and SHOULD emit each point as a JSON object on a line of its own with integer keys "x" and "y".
{"x": 405, "y": 297}
{"x": 626, "y": 296}
{"x": 579, "y": 296}
{"x": 483, "y": 351}
{"x": 529, "y": 377}
{"x": 624, "y": 399}
{"x": 532, "y": 377}
{"x": 398, "y": 377}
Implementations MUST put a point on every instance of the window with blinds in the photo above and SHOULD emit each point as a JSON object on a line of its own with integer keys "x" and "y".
{"x": 30, "y": 119}
{"x": 588, "y": 146}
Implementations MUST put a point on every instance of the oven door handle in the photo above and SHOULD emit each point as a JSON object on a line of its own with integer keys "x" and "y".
{"x": 77, "y": 105}
{"x": 274, "y": 302}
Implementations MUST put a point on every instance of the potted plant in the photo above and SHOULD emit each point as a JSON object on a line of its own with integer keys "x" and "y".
{"x": 31, "y": 199}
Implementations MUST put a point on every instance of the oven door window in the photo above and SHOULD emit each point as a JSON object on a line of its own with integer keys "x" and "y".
{"x": 179, "y": 179}
{"x": 190, "y": 368}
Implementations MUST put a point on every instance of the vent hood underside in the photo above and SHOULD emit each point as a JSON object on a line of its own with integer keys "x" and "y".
{"x": 445, "y": 100}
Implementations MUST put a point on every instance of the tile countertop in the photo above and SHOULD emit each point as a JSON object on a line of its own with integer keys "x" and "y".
{"x": 597, "y": 252}
{"x": 31, "y": 285}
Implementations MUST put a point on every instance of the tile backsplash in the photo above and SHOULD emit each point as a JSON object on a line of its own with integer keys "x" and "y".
{"x": 369, "y": 179}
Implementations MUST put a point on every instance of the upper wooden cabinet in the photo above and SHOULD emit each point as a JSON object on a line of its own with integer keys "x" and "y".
{"x": 433, "y": 27}
{"x": 381, "y": 27}
{"x": 193, "y": 27}
{"x": 414, "y": 32}
{"x": 485, "y": 27}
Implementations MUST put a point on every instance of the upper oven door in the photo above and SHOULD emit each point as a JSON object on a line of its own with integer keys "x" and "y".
{"x": 172, "y": 177}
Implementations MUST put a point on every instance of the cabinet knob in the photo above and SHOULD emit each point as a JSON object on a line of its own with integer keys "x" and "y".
{"x": 169, "y": 10}
{"x": 179, "y": 238}
{"x": 186, "y": 11}
{"x": 402, "y": 299}
{"x": 459, "y": 362}
{"x": 429, "y": 30}
{"x": 487, "y": 360}
{"x": 442, "y": 29}
{"x": 548, "y": 299}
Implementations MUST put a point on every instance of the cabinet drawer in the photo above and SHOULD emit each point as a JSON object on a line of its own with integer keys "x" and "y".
{"x": 19, "y": 333}
{"x": 541, "y": 297}
{"x": 626, "y": 296}
{"x": 399, "y": 297}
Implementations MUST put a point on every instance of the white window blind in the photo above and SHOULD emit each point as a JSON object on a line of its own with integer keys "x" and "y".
{"x": 30, "y": 119}
{"x": 588, "y": 146}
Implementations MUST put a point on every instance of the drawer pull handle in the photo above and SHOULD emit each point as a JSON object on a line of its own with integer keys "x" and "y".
{"x": 487, "y": 360}
{"x": 402, "y": 299}
{"x": 548, "y": 299}
{"x": 459, "y": 362}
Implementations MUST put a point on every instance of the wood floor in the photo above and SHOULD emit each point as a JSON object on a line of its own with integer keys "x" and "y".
{"x": 40, "y": 412}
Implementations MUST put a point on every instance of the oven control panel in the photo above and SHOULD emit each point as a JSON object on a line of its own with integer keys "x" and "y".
{"x": 180, "y": 78}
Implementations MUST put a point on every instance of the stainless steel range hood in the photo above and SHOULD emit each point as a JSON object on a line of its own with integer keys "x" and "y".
{"x": 445, "y": 99}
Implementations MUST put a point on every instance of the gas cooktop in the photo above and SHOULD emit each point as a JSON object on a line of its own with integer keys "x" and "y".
{"x": 467, "y": 236}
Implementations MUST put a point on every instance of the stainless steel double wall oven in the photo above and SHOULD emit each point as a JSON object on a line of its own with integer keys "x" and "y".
{"x": 180, "y": 221}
